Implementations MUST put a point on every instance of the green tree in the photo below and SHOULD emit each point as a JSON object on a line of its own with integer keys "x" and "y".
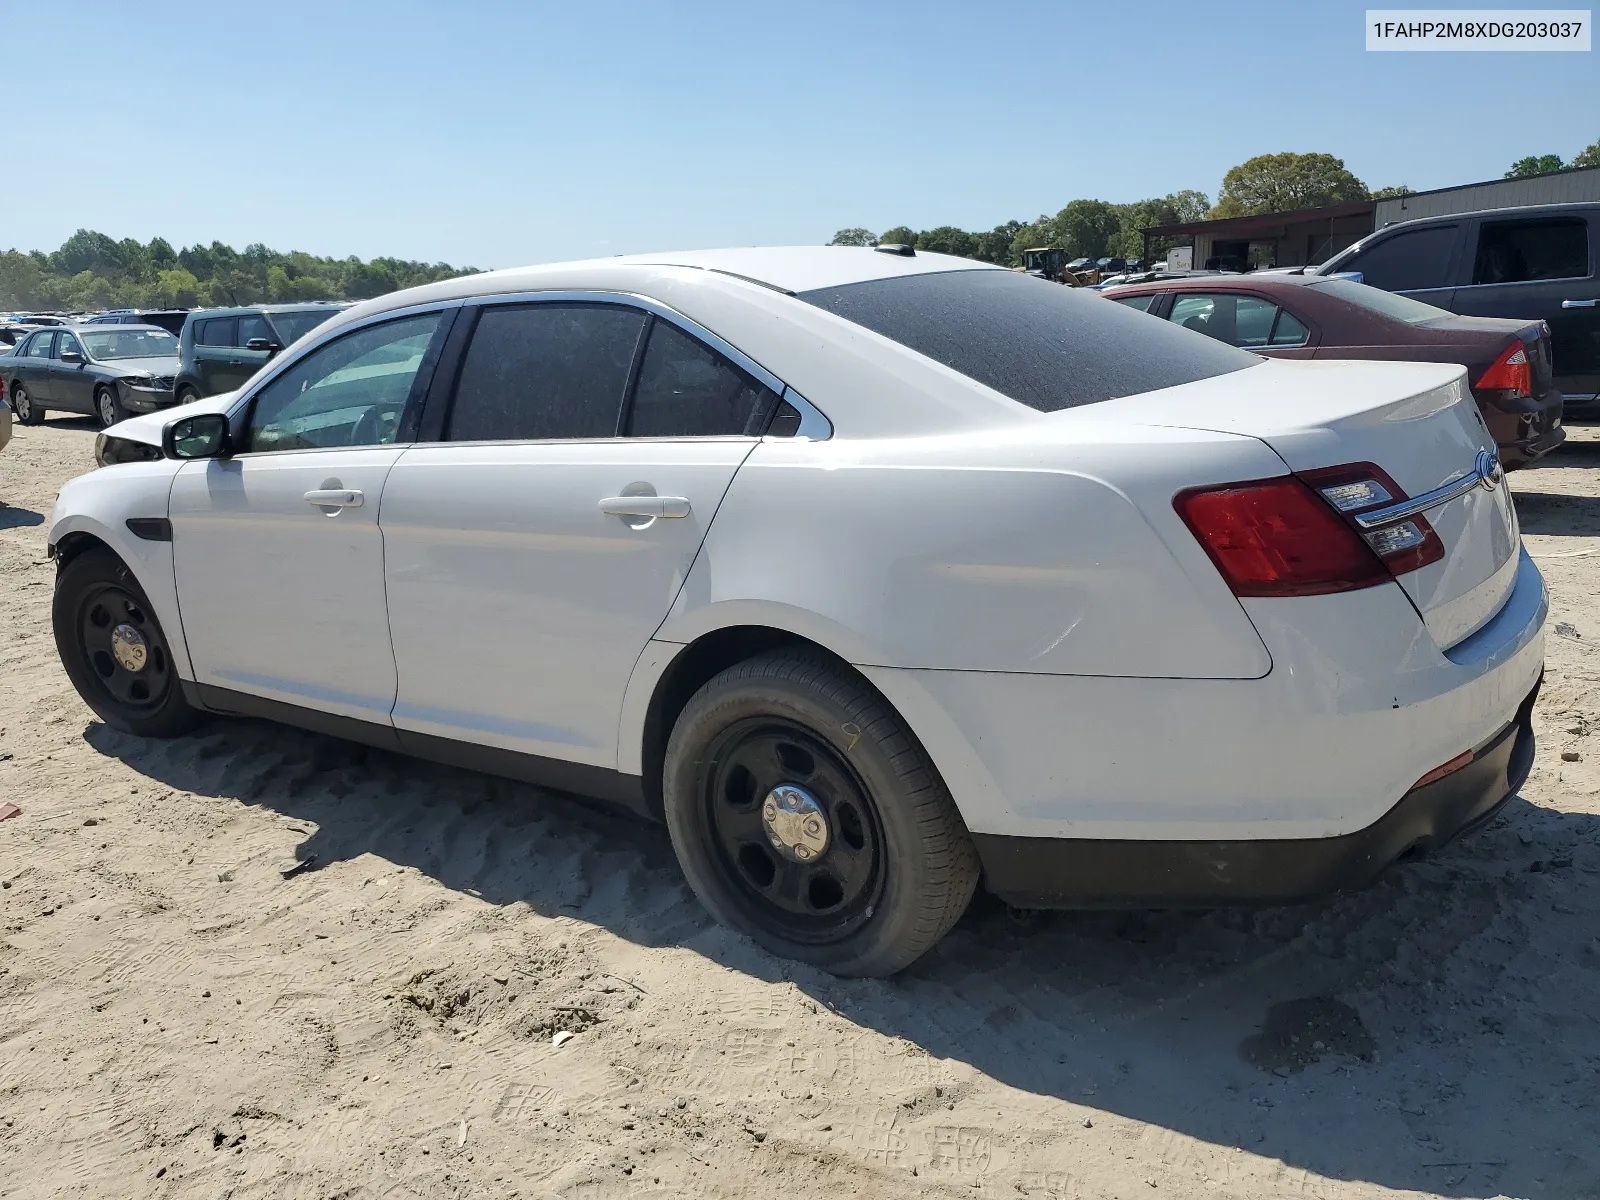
{"x": 1284, "y": 182}
{"x": 995, "y": 246}
{"x": 855, "y": 236}
{"x": 1084, "y": 228}
{"x": 1392, "y": 192}
{"x": 1589, "y": 157}
{"x": 947, "y": 239}
{"x": 1178, "y": 208}
{"x": 176, "y": 289}
{"x": 900, "y": 235}
{"x": 1535, "y": 164}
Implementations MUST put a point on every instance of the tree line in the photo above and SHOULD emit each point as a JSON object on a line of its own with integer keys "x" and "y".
{"x": 1266, "y": 183}
{"x": 92, "y": 271}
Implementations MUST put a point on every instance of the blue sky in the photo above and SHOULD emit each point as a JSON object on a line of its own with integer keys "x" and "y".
{"x": 494, "y": 133}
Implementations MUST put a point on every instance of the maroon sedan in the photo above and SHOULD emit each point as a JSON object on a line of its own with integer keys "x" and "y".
{"x": 1311, "y": 316}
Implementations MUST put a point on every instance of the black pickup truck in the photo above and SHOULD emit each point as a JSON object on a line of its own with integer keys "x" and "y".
{"x": 1538, "y": 263}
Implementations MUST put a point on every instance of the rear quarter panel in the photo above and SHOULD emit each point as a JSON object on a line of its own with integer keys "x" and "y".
{"x": 1058, "y": 554}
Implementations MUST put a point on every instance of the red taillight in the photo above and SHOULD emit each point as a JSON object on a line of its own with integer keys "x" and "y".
{"x": 1278, "y": 538}
{"x": 1298, "y": 535}
{"x": 1510, "y": 373}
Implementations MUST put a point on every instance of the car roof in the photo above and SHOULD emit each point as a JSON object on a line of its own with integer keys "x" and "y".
{"x": 1252, "y": 282}
{"x": 124, "y": 328}
{"x": 1525, "y": 210}
{"x": 784, "y": 268}
{"x": 236, "y": 310}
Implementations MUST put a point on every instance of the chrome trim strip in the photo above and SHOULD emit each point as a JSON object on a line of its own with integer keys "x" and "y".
{"x": 1453, "y": 490}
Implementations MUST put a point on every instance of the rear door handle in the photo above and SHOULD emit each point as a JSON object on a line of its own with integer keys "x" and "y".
{"x": 334, "y": 498}
{"x": 645, "y": 506}
{"x": 1579, "y": 303}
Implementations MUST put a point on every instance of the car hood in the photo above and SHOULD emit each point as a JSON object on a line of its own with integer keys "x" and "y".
{"x": 162, "y": 365}
{"x": 148, "y": 428}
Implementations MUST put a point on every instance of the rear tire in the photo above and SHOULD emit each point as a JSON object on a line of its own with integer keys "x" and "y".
{"x": 867, "y": 863}
{"x": 27, "y": 410}
{"x": 114, "y": 650}
{"x": 108, "y": 408}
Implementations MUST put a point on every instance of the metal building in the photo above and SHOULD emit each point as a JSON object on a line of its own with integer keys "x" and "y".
{"x": 1290, "y": 239}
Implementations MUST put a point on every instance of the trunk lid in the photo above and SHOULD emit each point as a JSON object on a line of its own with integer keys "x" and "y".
{"x": 1417, "y": 421}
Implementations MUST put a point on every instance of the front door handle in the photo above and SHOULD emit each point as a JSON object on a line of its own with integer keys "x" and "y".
{"x": 1579, "y": 303}
{"x": 334, "y": 498}
{"x": 645, "y": 506}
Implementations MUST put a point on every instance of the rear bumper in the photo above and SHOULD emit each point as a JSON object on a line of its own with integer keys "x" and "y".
{"x": 1523, "y": 436}
{"x": 1091, "y": 873}
{"x": 1360, "y": 703}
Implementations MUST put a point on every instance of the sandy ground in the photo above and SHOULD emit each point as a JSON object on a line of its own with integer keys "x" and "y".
{"x": 179, "y": 1017}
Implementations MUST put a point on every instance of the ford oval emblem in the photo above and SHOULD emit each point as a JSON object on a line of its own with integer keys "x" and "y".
{"x": 1490, "y": 473}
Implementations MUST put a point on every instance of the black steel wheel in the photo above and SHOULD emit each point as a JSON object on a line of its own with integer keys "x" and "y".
{"x": 806, "y": 814}
{"x": 796, "y": 831}
{"x": 114, "y": 650}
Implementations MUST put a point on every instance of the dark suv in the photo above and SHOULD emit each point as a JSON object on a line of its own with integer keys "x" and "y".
{"x": 1537, "y": 263}
{"x": 222, "y": 347}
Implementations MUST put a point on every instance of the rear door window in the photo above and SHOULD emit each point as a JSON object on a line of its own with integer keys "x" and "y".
{"x": 1409, "y": 261}
{"x": 1288, "y": 331}
{"x": 687, "y": 389}
{"x": 1041, "y": 344}
{"x": 1141, "y": 303}
{"x": 1246, "y": 321}
{"x": 1525, "y": 251}
{"x": 216, "y": 332}
{"x": 538, "y": 372}
{"x": 40, "y": 346}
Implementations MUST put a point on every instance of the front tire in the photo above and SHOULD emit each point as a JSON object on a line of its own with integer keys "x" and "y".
{"x": 114, "y": 650}
{"x": 28, "y": 412}
{"x": 108, "y": 408}
{"x": 187, "y": 394}
{"x": 806, "y": 814}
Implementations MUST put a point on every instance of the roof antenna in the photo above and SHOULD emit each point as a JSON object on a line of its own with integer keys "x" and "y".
{"x": 896, "y": 248}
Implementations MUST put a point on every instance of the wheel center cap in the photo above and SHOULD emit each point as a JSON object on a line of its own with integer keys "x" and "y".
{"x": 795, "y": 823}
{"x": 129, "y": 648}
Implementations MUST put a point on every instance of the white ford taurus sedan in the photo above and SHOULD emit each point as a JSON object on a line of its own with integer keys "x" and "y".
{"x": 870, "y": 573}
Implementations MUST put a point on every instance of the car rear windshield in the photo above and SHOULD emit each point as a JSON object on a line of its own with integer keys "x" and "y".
{"x": 1387, "y": 304}
{"x": 292, "y": 326}
{"x": 1043, "y": 344}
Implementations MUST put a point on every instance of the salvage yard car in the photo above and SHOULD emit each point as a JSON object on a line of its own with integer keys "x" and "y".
{"x": 106, "y": 371}
{"x": 221, "y": 348}
{"x": 869, "y": 574}
{"x": 1308, "y": 316}
{"x": 1537, "y": 263}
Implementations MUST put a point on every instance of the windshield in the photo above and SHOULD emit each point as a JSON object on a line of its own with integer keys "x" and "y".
{"x": 1047, "y": 346}
{"x": 129, "y": 343}
{"x": 1401, "y": 308}
{"x": 292, "y": 326}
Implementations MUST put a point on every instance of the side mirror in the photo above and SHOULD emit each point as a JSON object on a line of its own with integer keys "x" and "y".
{"x": 266, "y": 344}
{"x": 204, "y": 435}
{"x": 72, "y": 357}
